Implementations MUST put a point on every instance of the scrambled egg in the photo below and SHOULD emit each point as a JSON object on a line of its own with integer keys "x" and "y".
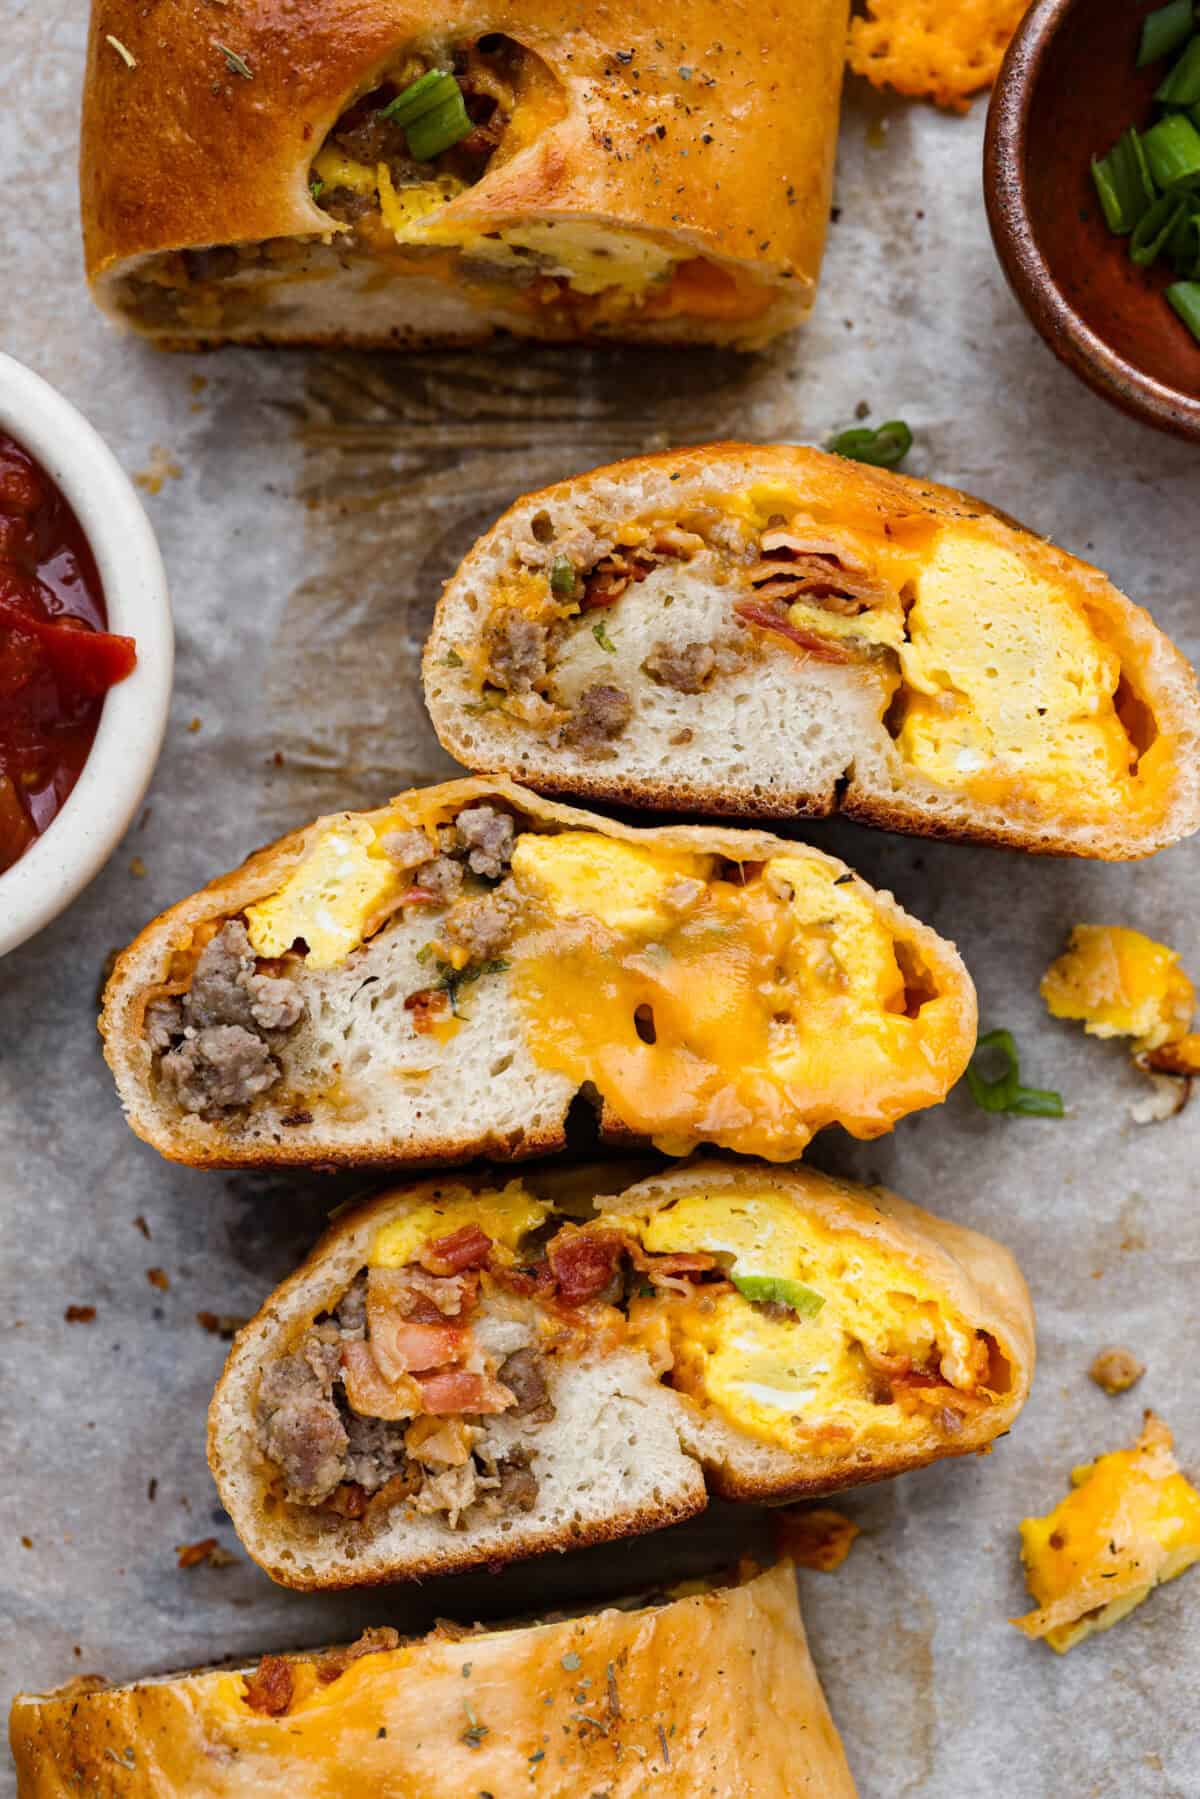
{"x": 1118, "y": 983}
{"x": 332, "y": 899}
{"x": 786, "y": 1380}
{"x": 1131, "y": 1522}
{"x": 506, "y": 1216}
{"x": 1007, "y": 681}
{"x": 747, "y": 1012}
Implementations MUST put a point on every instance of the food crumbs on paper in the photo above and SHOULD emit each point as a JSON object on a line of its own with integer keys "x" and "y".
{"x": 137, "y": 868}
{"x": 161, "y": 467}
{"x": 158, "y": 1277}
{"x": 207, "y": 1550}
{"x": 79, "y": 1314}
{"x": 126, "y": 55}
{"x": 820, "y": 1538}
{"x": 1116, "y": 1370}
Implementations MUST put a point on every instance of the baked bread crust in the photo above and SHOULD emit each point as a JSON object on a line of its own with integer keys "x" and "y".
{"x": 684, "y": 1452}
{"x": 540, "y": 1127}
{"x": 712, "y": 1693}
{"x": 859, "y": 772}
{"x": 709, "y": 128}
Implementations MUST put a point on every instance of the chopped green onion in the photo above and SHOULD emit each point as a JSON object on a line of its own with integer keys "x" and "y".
{"x": 1003, "y": 1092}
{"x": 428, "y": 90}
{"x": 1183, "y": 246}
{"x": 602, "y": 637}
{"x": 439, "y": 130}
{"x": 1164, "y": 31}
{"x": 1154, "y": 227}
{"x": 316, "y": 187}
{"x": 562, "y": 577}
{"x": 432, "y": 113}
{"x": 452, "y": 659}
{"x": 1123, "y": 183}
{"x": 1185, "y": 298}
{"x": 1172, "y": 150}
{"x": 1182, "y": 84}
{"x": 773, "y": 1289}
{"x": 885, "y": 448}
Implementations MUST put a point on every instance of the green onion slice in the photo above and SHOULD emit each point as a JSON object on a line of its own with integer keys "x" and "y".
{"x": 1183, "y": 245}
{"x": 885, "y": 448}
{"x": 777, "y": 1290}
{"x": 602, "y": 638}
{"x": 1123, "y": 183}
{"x": 1172, "y": 150}
{"x": 562, "y": 577}
{"x": 1003, "y": 1092}
{"x": 1164, "y": 31}
{"x": 1181, "y": 87}
{"x": 1185, "y": 298}
{"x": 1154, "y": 227}
{"x": 432, "y": 113}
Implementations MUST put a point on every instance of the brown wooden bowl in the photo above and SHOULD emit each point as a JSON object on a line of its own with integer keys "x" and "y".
{"x": 1066, "y": 91}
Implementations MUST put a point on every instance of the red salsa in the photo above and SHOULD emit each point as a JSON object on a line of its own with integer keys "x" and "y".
{"x": 57, "y": 660}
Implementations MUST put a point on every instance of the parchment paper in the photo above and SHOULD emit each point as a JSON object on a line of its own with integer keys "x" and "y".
{"x": 308, "y": 508}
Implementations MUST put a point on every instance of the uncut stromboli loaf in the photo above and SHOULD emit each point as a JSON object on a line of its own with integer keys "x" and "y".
{"x": 656, "y": 171}
{"x": 442, "y": 977}
{"x": 771, "y": 631}
{"x": 465, "y": 1372}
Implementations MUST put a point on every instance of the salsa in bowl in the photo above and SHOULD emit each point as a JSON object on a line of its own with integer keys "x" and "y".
{"x": 85, "y": 653}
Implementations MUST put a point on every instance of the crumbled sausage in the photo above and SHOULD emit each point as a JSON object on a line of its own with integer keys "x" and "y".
{"x": 374, "y": 1451}
{"x": 217, "y": 264}
{"x": 481, "y": 926}
{"x": 440, "y": 878}
{"x": 164, "y": 1022}
{"x": 300, "y": 1429}
{"x": 219, "y": 1068}
{"x": 522, "y": 1374}
{"x": 516, "y": 650}
{"x": 487, "y": 835}
{"x": 346, "y": 204}
{"x": 407, "y": 849}
{"x": 686, "y": 669}
{"x": 364, "y": 135}
{"x": 518, "y": 1489}
{"x": 601, "y": 713}
{"x": 1116, "y": 1370}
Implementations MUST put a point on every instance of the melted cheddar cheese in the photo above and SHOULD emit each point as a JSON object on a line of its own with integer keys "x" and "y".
{"x": 748, "y": 1011}
{"x": 1131, "y": 1522}
{"x": 507, "y": 1217}
{"x": 787, "y": 1379}
{"x": 1118, "y": 983}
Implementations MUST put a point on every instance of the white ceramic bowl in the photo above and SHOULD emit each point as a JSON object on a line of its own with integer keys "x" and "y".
{"x": 78, "y": 842}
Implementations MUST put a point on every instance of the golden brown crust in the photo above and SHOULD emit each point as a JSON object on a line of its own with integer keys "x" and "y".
{"x": 976, "y": 1277}
{"x": 713, "y": 127}
{"x": 714, "y": 1693}
{"x": 873, "y": 498}
{"x": 144, "y": 965}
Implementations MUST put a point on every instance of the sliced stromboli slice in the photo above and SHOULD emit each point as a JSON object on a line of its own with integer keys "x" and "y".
{"x": 442, "y": 977}
{"x": 361, "y": 172}
{"x": 768, "y": 632}
{"x": 707, "y": 1690}
{"x": 464, "y": 1373}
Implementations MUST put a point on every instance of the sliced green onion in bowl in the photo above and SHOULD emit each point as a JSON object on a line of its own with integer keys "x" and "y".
{"x": 1184, "y": 296}
{"x": 1172, "y": 150}
{"x": 1123, "y": 183}
{"x": 1164, "y": 31}
{"x": 1181, "y": 87}
{"x": 885, "y": 448}
{"x": 773, "y": 1289}
{"x": 1183, "y": 245}
{"x": 1003, "y": 1092}
{"x": 439, "y": 129}
{"x": 1155, "y": 227}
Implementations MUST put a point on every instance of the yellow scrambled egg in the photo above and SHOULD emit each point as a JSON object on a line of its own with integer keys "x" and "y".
{"x": 332, "y": 899}
{"x": 1118, "y": 983}
{"x": 1131, "y": 1521}
{"x": 747, "y": 1010}
{"x": 787, "y": 1378}
{"x": 506, "y": 1216}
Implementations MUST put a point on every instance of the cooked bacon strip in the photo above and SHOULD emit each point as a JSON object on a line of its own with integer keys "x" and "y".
{"x": 405, "y": 1346}
{"x": 269, "y": 1688}
{"x": 465, "y": 1248}
{"x": 376, "y": 1640}
{"x": 826, "y": 649}
{"x": 461, "y": 1390}
{"x": 584, "y": 1262}
{"x": 368, "y": 1392}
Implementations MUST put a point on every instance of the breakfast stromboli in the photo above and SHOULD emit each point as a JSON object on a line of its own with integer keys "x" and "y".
{"x": 769, "y": 631}
{"x": 707, "y": 1690}
{"x": 371, "y": 172}
{"x": 465, "y": 1372}
{"x": 442, "y": 977}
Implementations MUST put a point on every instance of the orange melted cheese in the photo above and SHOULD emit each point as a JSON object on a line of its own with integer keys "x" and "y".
{"x": 744, "y": 1012}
